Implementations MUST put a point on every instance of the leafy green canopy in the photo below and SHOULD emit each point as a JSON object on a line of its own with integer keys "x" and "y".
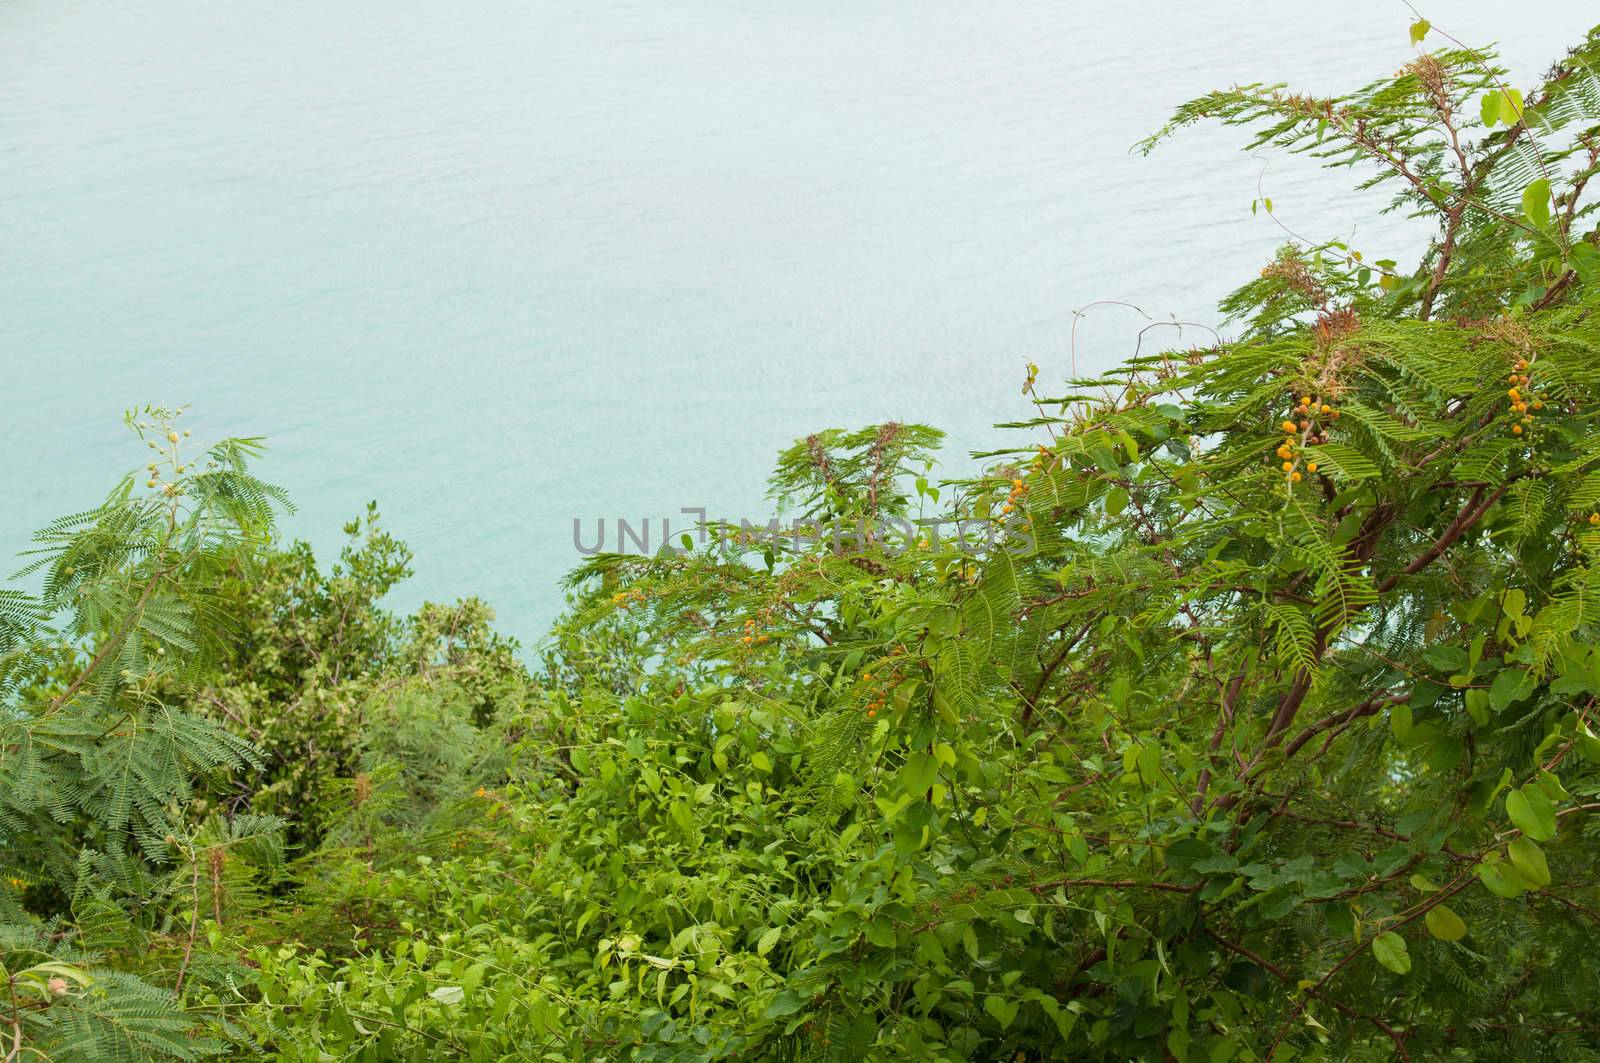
{"x": 1277, "y": 741}
{"x": 98, "y": 768}
{"x": 1262, "y": 726}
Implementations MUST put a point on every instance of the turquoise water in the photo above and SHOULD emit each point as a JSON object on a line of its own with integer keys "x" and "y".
{"x": 503, "y": 266}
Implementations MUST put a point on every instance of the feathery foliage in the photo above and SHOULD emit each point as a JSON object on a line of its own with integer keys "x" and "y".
{"x": 1242, "y": 707}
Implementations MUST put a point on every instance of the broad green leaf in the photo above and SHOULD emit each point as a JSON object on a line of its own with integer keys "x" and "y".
{"x": 1536, "y": 203}
{"x": 1528, "y": 859}
{"x": 1510, "y": 685}
{"x": 1586, "y": 263}
{"x": 1184, "y": 853}
{"x": 1501, "y": 879}
{"x": 1003, "y": 1009}
{"x": 1400, "y": 723}
{"x": 1532, "y": 813}
{"x": 920, "y": 772}
{"x": 1390, "y": 949}
{"x": 1444, "y": 924}
{"x": 785, "y": 1003}
{"x": 1419, "y": 30}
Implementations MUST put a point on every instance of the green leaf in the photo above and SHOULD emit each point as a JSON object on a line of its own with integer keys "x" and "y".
{"x": 1500, "y": 879}
{"x": 1446, "y": 658}
{"x": 1536, "y": 203}
{"x": 920, "y": 772}
{"x": 1184, "y": 853}
{"x": 1444, "y": 924}
{"x": 1532, "y": 813}
{"x": 1528, "y": 859}
{"x": 1390, "y": 949}
{"x": 1400, "y": 723}
{"x": 1510, "y": 685}
{"x": 761, "y": 762}
{"x": 1586, "y": 263}
{"x": 785, "y": 1003}
{"x": 1343, "y": 461}
{"x": 1477, "y": 704}
{"x": 1003, "y": 1010}
{"x": 1419, "y": 30}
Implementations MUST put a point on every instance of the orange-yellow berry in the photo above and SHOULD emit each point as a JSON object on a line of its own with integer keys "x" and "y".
{"x": 1288, "y": 426}
{"x": 1295, "y": 477}
{"x": 1516, "y": 429}
{"x": 1288, "y": 466}
{"x": 1311, "y": 467}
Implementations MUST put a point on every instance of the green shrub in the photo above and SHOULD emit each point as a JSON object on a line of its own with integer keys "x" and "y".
{"x": 1260, "y": 726}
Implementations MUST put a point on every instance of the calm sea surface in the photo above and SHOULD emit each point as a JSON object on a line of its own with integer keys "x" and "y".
{"x": 502, "y": 265}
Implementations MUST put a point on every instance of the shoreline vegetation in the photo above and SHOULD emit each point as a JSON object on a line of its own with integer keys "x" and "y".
{"x": 1278, "y": 741}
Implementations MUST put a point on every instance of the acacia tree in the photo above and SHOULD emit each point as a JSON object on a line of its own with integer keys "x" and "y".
{"x": 1261, "y": 726}
{"x": 1281, "y": 739}
{"x": 100, "y": 846}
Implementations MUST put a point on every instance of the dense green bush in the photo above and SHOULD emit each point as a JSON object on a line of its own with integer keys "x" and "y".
{"x": 1259, "y": 723}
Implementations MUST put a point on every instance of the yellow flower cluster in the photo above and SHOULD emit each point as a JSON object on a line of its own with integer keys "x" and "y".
{"x": 892, "y": 679}
{"x": 1524, "y": 400}
{"x": 1015, "y": 497}
{"x": 751, "y": 635}
{"x": 626, "y": 599}
{"x": 1305, "y": 426}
